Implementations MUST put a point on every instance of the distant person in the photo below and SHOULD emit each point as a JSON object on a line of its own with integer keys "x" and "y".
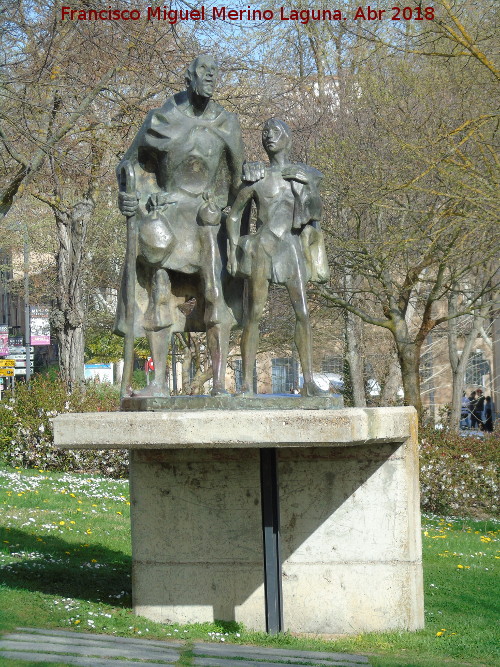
{"x": 464, "y": 414}
{"x": 477, "y": 411}
{"x": 488, "y": 415}
{"x": 472, "y": 402}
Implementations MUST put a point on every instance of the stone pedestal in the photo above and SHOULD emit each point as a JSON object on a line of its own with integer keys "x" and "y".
{"x": 350, "y": 520}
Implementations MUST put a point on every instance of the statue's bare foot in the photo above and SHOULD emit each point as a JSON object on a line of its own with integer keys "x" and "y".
{"x": 219, "y": 391}
{"x": 312, "y": 389}
{"x": 153, "y": 389}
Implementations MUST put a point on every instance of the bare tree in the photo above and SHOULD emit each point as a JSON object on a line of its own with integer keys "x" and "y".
{"x": 75, "y": 90}
{"x": 468, "y": 328}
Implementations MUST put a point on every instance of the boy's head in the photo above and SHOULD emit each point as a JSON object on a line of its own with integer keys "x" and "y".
{"x": 276, "y": 136}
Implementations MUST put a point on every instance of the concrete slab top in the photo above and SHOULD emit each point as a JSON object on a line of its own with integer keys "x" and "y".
{"x": 233, "y": 428}
{"x": 228, "y": 402}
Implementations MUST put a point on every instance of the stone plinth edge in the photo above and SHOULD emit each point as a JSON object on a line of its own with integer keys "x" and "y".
{"x": 233, "y": 428}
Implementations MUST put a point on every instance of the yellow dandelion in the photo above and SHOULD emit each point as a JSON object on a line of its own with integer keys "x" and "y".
{"x": 76, "y": 622}
{"x": 460, "y": 567}
{"x": 439, "y": 634}
{"x": 119, "y": 513}
{"x": 88, "y": 531}
{"x": 93, "y": 560}
{"x": 61, "y": 523}
{"x": 72, "y": 521}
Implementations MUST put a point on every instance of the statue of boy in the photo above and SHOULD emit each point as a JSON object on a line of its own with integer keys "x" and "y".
{"x": 288, "y": 247}
{"x": 186, "y": 163}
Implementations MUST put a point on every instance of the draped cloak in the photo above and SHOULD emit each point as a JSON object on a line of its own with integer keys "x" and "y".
{"x": 176, "y": 159}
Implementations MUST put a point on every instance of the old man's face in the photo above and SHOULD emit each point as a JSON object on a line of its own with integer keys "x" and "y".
{"x": 204, "y": 76}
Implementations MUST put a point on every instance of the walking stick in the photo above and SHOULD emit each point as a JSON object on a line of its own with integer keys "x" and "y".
{"x": 127, "y": 184}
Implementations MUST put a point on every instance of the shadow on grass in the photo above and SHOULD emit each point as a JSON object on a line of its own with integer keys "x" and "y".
{"x": 57, "y": 567}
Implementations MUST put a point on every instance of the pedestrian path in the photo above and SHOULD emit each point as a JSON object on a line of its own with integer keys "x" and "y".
{"x": 89, "y": 650}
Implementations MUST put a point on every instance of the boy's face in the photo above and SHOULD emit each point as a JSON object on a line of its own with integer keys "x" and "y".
{"x": 274, "y": 138}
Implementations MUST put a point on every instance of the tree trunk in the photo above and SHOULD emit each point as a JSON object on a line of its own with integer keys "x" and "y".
{"x": 191, "y": 349}
{"x": 409, "y": 357}
{"x": 68, "y": 315}
{"x": 186, "y": 367}
{"x": 353, "y": 329}
{"x": 353, "y": 340}
{"x": 458, "y": 362}
{"x": 391, "y": 383}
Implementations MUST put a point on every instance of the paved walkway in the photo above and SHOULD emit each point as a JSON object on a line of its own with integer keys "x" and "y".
{"x": 87, "y": 650}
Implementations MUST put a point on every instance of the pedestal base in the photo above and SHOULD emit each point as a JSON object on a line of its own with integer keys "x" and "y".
{"x": 350, "y": 520}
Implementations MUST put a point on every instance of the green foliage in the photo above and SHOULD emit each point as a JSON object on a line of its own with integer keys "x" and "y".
{"x": 139, "y": 378}
{"x": 26, "y": 436}
{"x": 459, "y": 475}
{"x": 103, "y": 347}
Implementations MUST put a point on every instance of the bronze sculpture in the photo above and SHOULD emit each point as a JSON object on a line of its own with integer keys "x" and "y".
{"x": 183, "y": 167}
{"x": 287, "y": 249}
{"x": 184, "y": 271}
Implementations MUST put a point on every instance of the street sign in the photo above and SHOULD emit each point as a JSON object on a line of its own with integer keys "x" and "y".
{"x": 19, "y": 371}
{"x": 4, "y": 338}
{"x": 21, "y": 363}
{"x": 17, "y": 349}
{"x": 16, "y": 341}
{"x": 7, "y": 363}
{"x": 20, "y": 356}
{"x": 39, "y": 325}
{"x": 8, "y": 372}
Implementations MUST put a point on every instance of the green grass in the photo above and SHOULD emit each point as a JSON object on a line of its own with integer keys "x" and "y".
{"x": 65, "y": 563}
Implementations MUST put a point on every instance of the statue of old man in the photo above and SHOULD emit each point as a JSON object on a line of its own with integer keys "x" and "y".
{"x": 183, "y": 167}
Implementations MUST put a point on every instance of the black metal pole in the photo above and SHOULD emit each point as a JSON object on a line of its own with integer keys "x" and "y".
{"x": 269, "y": 488}
{"x": 174, "y": 363}
{"x": 27, "y": 327}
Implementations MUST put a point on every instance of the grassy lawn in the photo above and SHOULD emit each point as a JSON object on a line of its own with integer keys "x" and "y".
{"x": 65, "y": 563}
